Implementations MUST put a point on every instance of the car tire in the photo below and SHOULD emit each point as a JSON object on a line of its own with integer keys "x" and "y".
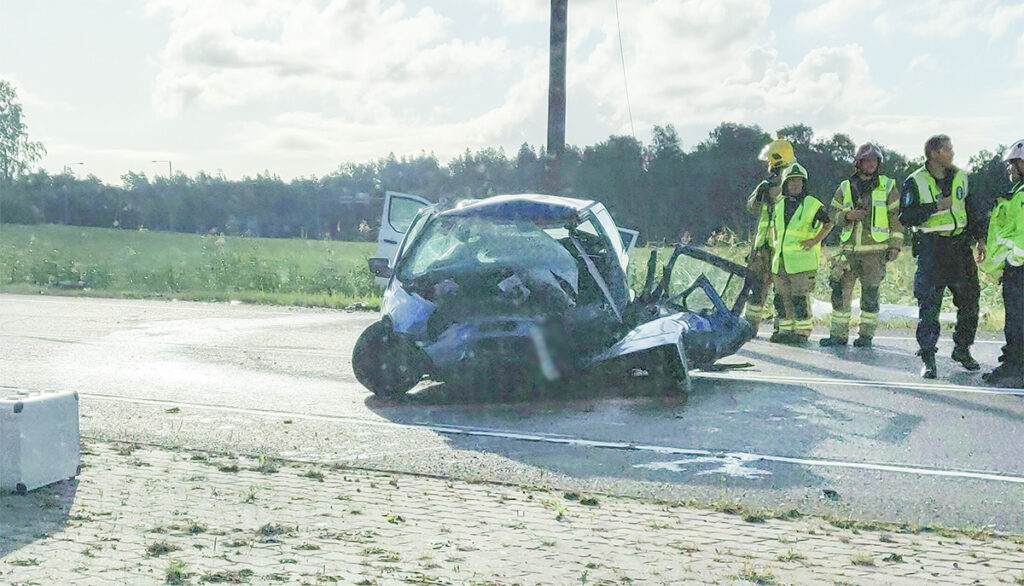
{"x": 383, "y": 363}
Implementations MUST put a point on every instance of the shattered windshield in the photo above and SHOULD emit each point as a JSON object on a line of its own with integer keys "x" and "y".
{"x": 685, "y": 272}
{"x": 454, "y": 245}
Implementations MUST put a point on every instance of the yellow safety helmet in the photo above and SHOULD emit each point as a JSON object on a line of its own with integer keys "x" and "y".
{"x": 777, "y": 153}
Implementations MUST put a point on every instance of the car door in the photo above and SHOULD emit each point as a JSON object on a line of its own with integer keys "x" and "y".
{"x": 399, "y": 211}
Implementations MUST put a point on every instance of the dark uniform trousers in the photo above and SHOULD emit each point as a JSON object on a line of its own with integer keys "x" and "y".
{"x": 945, "y": 261}
{"x": 1013, "y": 299}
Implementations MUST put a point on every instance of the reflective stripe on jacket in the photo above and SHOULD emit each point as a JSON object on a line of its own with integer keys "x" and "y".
{"x": 952, "y": 221}
{"x": 787, "y": 253}
{"x": 879, "y": 221}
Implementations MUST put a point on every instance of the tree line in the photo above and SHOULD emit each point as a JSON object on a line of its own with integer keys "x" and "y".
{"x": 665, "y": 192}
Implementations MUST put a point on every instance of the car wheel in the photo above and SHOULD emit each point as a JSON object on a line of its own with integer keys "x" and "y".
{"x": 383, "y": 363}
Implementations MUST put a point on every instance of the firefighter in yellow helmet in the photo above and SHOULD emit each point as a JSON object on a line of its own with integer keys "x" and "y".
{"x": 799, "y": 223}
{"x": 1004, "y": 252}
{"x": 866, "y": 207}
{"x": 779, "y": 155}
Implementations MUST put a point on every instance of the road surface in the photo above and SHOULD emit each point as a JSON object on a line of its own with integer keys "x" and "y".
{"x": 848, "y": 433}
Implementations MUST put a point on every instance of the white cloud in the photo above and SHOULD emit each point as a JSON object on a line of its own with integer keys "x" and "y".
{"x": 705, "y": 62}
{"x": 293, "y": 135}
{"x": 32, "y": 102}
{"x": 945, "y": 19}
{"x": 906, "y": 134}
{"x": 923, "y": 63}
{"x": 358, "y": 53}
{"x": 835, "y": 14}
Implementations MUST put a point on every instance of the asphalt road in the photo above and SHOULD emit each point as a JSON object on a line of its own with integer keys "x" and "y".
{"x": 851, "y": 433}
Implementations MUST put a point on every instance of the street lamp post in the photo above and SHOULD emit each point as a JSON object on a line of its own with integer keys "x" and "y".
{"x": 67, "y": 206}
{"x": 170, "y": 169}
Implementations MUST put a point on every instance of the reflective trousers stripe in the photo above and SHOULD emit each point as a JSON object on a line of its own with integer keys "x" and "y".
{"x": 840, "y": 317}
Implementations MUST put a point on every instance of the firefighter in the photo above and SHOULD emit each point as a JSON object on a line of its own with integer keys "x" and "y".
{"x": 1005, "y": 252}
{"x": 934, "y": 202}
{"x": 866, "y": 208}
{"x": 799, "y": 223}
{"x": 778, "y": 154}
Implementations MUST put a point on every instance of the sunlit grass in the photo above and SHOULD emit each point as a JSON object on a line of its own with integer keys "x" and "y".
{"x": 119, "y": 263}
{"x": 100, "y": 262}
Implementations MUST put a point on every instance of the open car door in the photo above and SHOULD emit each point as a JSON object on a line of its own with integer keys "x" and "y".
{"x": 712, "y": 292}
{"x": 399, "y": 211}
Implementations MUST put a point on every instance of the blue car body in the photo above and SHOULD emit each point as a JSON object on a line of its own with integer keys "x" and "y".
{"x": 534, "y": 286}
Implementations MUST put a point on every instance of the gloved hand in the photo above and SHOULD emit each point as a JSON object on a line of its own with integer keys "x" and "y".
{"x": 856, "y": 215}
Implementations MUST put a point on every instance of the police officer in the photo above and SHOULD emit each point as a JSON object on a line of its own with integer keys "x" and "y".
{"x": 866, "y": 208}
{"x": 799, "y": 223}
{"x": 1005, "y": 252}
{"x": 935, "y": 204}
{"x": 778, "y": 154}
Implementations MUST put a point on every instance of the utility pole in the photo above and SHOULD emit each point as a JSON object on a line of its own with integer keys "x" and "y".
{"x": 556, "y": 92}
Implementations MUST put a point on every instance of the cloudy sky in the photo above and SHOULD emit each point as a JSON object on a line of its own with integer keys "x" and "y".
{"x": 298, "y": 87}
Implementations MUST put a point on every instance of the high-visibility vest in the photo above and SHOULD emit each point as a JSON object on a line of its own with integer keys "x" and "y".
{"x": 761, "y": 237}
{"x": 1005, "y": 243}
{"x": 787, "y": 251}
{"x": 879, "y": 209}
{"x": 949, "y": 222}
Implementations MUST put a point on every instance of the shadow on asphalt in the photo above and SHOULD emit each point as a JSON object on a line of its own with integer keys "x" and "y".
{"x": 27, "y": 518}
{"x": 717, "y": 416}
{"x": 932, "y": 396}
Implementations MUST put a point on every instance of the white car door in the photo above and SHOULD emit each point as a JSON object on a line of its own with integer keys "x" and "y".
{"x": 399, "y": 211}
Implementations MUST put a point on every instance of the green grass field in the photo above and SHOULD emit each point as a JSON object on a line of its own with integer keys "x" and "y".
{"x": 119, "y": 263}
{"x": 70, "y": 260}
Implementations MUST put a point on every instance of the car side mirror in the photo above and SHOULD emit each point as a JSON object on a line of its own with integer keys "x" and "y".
{"x": 380, "y": 266}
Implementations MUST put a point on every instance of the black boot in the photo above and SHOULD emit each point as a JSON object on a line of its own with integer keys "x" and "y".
{"x": 832, "y": 341}
{"x": 862, "y": 342}
{"x": 963, "y": 356}
{"x": 1005, "y": 375}
{"x": 929, "y": 370}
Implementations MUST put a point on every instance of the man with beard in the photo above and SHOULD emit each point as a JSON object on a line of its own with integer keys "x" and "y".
{"x": 866, "y": 208}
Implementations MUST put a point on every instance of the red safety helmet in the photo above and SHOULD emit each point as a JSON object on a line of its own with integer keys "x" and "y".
{"x": 868, "y": 150}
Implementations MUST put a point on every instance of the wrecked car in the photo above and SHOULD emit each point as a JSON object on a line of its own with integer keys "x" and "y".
{"x": 534, "y": 288}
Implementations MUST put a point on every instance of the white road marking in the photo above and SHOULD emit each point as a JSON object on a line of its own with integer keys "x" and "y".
{"x": 804, "y": 380}
{"x": 581, "y": 442}
{"x": 941, "y": 340}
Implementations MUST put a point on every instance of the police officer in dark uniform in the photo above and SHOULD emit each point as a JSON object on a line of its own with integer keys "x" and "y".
{"x": 945, "y": 223}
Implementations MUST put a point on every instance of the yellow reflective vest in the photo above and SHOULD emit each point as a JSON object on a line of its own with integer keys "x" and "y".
{"x": 879, "y": 210}
{"x": 786, "y": 237}
{"x": 1005, "y": 243}
{"x": 950, "y": 222}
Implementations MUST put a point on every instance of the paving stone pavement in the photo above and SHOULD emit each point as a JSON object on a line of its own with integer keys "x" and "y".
{"x": 146, "y": 515}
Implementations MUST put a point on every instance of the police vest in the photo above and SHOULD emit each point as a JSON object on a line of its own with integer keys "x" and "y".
{"x": 879, "y": 209}
{"x": 787, "y": 237}
{"x": 1005, "y": 243}
{"x": 949, "y": 222}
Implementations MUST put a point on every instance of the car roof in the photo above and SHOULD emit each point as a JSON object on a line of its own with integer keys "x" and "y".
{"x": 528, "y": 206}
